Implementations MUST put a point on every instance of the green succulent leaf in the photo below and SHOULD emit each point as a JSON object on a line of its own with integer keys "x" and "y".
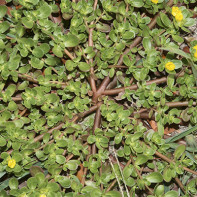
{"x": 71, "y": 41}
{"x": 136, "y": 3}
{"x": 60, "y": 159}
{"x": 84, "y": 66}
{"x": 179, "y": 151}
{"x": 13, "y": 183}
{"x": 2, "y": 141}
{"x": 4, "y": 26}
{"x": 44, "y": 11}
{"x": 171, "y": 194}
{"x": 3, "y": 11}
{"x": 57, "y": 50}
{"x": 141, "y": 159}
{"x": 154, "y": 177}
{"x": 27, "y": 22}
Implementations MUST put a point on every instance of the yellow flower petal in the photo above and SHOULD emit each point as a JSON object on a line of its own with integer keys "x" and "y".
{"x": 154, "y": 1}
{"x": 11, "y": 163}
{"x": 195, "y": 47}
{"x": 179, "y": 16}
{"x": 170, "y": 66}
{"x": 175, "y": 10}
{"x": 42, "y": 195}
{"x": 195, "y": 54}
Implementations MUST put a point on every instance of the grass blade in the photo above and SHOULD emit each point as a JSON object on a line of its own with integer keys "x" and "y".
{"x": 181, "y": 135}
{"x": 176, "y": 51}
{"x": 194, "y": 69}
{"x": 2, "y": 174}
{"x": 189, "y": 149}
{"x": 4, "y": 184}
{"x": 191, "y": 157}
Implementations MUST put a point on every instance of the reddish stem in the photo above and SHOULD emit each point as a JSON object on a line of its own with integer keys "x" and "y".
{"x": 101, "y": 89}
{"x": 170, "y": 161}
{"x": 75, "y": 118}
{"x": 133, "y": 87}
{"x": 137, "y": 40}
{"x": 97, "y": 122}
{"x": 14, "y": 98}
{"x": 90, "y": 43}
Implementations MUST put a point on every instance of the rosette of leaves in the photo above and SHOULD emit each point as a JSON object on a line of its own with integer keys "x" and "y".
{"x": 87, "y": 101}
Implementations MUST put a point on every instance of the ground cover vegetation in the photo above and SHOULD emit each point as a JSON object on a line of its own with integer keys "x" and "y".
{"x": 98, "y": 98}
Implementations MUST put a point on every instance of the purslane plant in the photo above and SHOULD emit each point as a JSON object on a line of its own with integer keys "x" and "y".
{"x": 88, "y": 90}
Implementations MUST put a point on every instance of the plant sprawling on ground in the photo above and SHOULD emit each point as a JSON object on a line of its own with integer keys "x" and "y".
{"x": 91, "y": 94}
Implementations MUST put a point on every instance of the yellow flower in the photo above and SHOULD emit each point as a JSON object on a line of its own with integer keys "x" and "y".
{"x": 195, "y": 54}
{"x": 11, "y": 163}
{"x": 170, "y": 66}
{"x": 195, "y": 47}
{"x": 42, "y": 195}
{"x": 179, "y": 16}
{"x": 175, "y": 10}
{"x": 154, "y": 1}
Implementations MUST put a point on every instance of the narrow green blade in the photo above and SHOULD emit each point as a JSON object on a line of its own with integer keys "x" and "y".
{"x": 181, "y": 135}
